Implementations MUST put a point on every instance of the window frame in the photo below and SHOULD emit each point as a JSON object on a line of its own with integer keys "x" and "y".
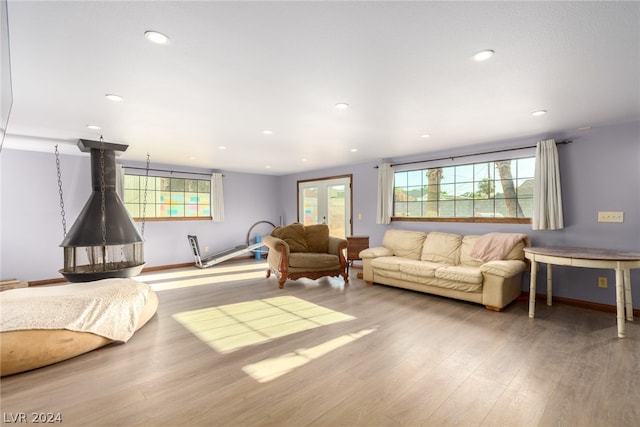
{"x": 461, "y": 219}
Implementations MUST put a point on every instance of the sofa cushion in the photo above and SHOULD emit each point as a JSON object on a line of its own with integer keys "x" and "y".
{"x": 294, "y": 235}
{"x": 517, "y": 253}
{"x": 459, "y": 273}
{"x": 442, "y": 247}
{"x": 388, "y": 263}
{"x": 394, "y": 276}
{"x": 313, "y": 260}
{"x": 404, "y": 243}
{"x": 317, "y": 237}
{"x": 465, "y": 251}
{"x": 419, "y": 268}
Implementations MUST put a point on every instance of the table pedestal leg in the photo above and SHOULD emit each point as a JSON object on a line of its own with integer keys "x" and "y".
{"x": 549, "y": 285}
{"x": 627, "y": 294}
{"x": 620, "y": 302}
{"x": 532, "y": 289}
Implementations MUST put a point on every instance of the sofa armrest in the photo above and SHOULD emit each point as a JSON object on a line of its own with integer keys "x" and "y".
{"x": 502, "y": 282}
{"x": 273, "y": 243}
{"x": 503, "y": 268}
{"x": 367, "y": 255}
{"x": 375, "y": 252}
{"x": 278, "y": 253}
{"x": 337, "y": 244}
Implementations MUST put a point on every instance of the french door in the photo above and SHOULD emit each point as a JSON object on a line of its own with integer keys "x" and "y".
{"x": 326, "y": 201}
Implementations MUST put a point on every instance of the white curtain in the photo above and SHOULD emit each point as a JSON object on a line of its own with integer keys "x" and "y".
{"x": 217, "y": 203}
{"x": 547, "y": 195}
{"x": 385, "y": 194}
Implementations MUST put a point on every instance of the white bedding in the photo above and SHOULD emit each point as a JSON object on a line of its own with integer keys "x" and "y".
{"x": 110, "y": 308}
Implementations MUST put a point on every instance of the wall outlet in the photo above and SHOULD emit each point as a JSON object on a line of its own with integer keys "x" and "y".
{"x": 608, "y": 216}
{"x": 602, "y": 282}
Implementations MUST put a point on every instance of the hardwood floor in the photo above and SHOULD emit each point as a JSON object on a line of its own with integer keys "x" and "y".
{"x": 405, "y": 359}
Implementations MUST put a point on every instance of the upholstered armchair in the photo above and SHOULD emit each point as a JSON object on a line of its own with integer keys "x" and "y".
{"x": 297, "y": 251}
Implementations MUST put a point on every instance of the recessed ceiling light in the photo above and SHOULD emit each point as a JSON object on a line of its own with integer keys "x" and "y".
{"x": 353, "y": 150}
{"x": 483, "y": 55}
{"x": 268, "y": 167}
{"x": 191, "y": 158}
{"x": 156, "y": 37}
{"x": 222, "y": 147}
{"x": 342, "y": 106}
{"x": 585, "y": 128}
{"x": 425, "y": 135}
{"x": 115, "y": 98}
{"x": 93, "y": 127}
{"x": 304, "y": 160}
{"x": 539, "y": 113}
{"x": 267, "y": 132}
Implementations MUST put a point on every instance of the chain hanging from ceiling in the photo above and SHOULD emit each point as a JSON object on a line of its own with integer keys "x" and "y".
{"x": 144, "y": 198}
{"x": 64, "y": 221}
{"x": 102, "y": 191}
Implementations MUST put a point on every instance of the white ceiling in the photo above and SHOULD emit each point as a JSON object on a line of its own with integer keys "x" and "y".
{"x": 234, "y": 69}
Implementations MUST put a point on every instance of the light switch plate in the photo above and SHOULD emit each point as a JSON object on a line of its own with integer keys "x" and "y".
{"x": 610, "y": 216}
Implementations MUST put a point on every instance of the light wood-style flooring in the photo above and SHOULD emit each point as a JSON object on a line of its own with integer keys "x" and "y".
{"x": 405, "y": 359}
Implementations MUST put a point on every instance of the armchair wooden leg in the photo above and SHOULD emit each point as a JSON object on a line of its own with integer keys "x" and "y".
{"x": 345, "y": 276}
{"x": 268, "y": 273}
{"x": 281, "y": 282}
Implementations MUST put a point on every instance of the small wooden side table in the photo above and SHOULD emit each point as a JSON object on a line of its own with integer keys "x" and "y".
{"x": 355, "y": 245}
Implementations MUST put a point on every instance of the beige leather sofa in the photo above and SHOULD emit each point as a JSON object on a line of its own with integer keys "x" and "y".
{"x": 481, "y": 269}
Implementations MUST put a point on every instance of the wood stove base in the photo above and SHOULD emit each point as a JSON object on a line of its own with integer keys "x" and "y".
{"x": 88, "y": 274}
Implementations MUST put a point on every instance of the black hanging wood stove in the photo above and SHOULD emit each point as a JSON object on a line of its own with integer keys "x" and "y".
{"x": 104, "y": 241}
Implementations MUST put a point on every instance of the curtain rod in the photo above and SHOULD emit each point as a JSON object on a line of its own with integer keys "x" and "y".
{"x": 168, "y": 170}
{"x": 565, "y": 141}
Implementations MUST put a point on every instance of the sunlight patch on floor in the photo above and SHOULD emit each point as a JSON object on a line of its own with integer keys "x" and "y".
{"x": 199, "y": 281}
{"x": 272, "y": 368}
{"x": 196, "y": 272}
{"x": 227, "y": 328}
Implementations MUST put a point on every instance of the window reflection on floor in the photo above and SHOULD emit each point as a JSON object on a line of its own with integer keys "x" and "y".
{"x": 227, "y": 328}
{"x": 272, "y": 368}
{"x": 231, "y": 327}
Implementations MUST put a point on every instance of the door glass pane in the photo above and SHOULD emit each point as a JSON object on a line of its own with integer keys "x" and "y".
{"x": 336, "y": 207}
{"x": 310, "y": 206}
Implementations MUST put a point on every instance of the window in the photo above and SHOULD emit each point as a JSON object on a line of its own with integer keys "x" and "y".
{"x": 496, "y": 189}
{"x": 167, "y": 197}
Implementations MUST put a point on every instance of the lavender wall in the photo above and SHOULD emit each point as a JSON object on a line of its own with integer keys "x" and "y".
{"x": 599, "y": 172}
{"x": 30, "y": 220}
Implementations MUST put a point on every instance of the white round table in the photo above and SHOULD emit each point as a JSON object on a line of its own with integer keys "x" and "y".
{"x": 620, "y": 261}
